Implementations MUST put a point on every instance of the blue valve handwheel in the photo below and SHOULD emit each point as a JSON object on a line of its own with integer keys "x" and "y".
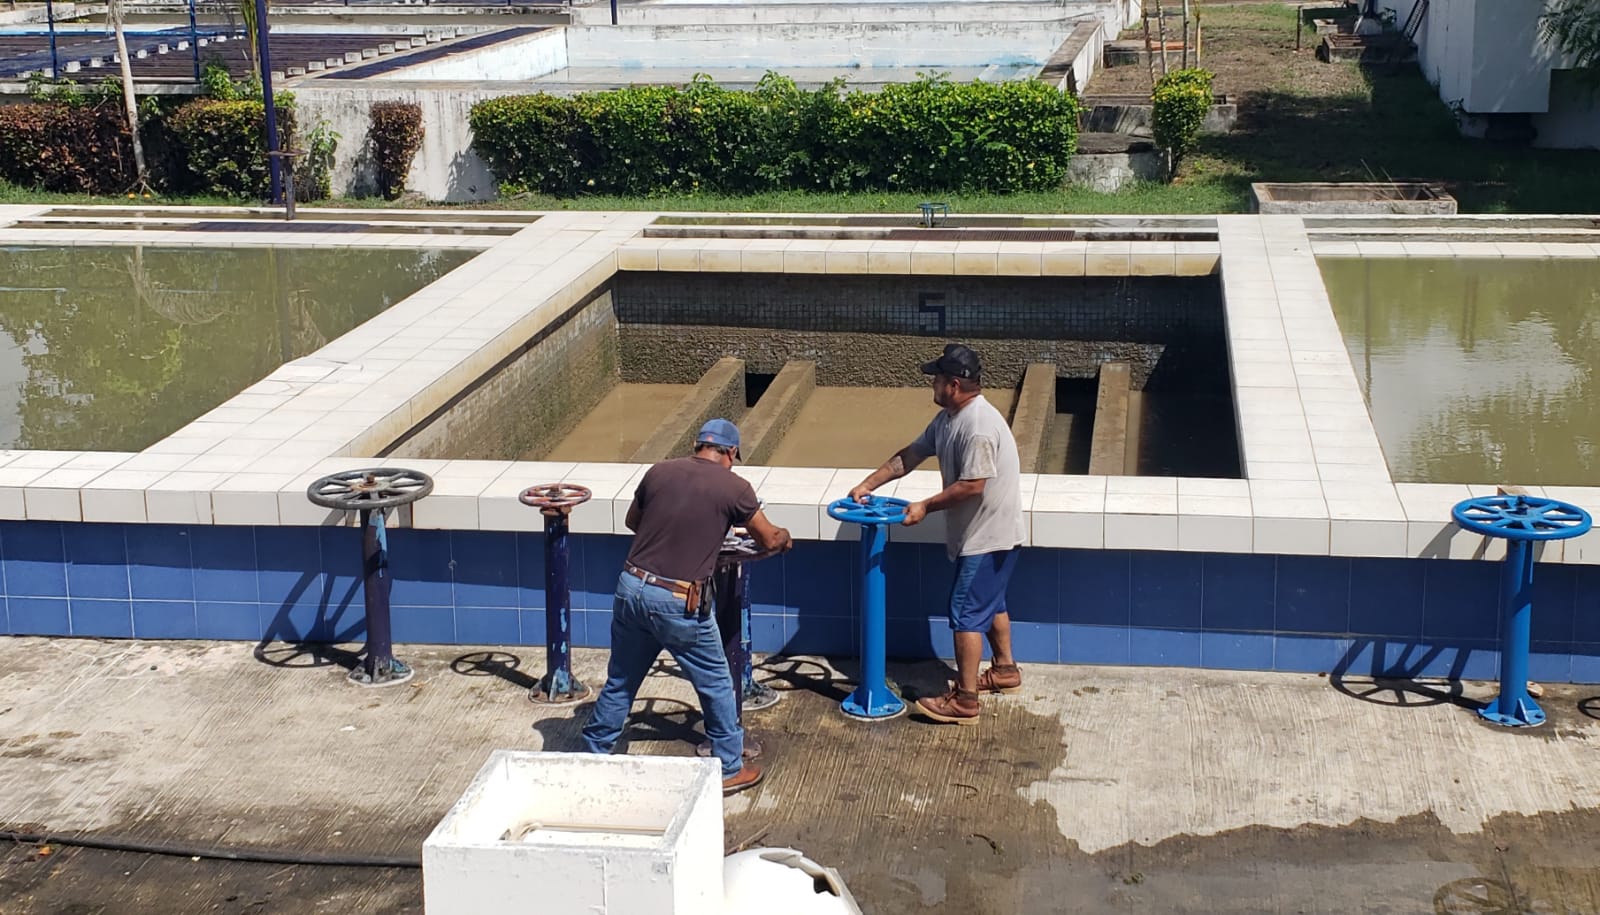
{"x": 1522, "y": 518}
{"x": 876, "y": 510}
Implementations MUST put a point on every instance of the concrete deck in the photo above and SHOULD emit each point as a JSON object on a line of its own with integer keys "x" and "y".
{"x": 1093, "y": 790}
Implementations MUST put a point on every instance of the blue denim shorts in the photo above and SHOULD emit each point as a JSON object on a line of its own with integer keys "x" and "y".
{"x": 979, "y": 591}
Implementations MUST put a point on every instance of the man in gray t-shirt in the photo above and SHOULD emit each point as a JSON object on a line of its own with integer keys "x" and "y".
{"x": 982, "y": 495}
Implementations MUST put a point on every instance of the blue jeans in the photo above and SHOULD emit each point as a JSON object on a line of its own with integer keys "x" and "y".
{"x": 645, "y": 619}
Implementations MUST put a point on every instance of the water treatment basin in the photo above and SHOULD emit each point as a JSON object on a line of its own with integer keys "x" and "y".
{"x": 112, "y": 348}
{"x": 1477, "y": 370}
{"x": 1119, "y": 375}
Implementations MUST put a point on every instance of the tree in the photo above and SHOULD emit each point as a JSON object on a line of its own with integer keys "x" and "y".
{"x": 1574, "y": 27}
{"x": 114, "y": 14}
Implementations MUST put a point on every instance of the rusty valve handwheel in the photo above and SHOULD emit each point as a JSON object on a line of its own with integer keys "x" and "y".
{"x": 381, "y": 487}
{"x": 555, "y": 498}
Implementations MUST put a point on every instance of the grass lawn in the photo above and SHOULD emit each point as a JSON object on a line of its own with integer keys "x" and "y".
{"x": 1299, "y": 120}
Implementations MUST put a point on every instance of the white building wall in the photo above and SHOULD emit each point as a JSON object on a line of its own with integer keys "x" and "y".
{"x": 524, "y": 58}
{"x": 872, "y": 44}
{"x": 1490, "y": 57}
{"x": 1573, "y": 121}
{"x": 445, "y": 168}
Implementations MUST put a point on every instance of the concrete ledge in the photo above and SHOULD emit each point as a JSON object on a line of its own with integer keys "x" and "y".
{"x": 1358, "y": 197}
{"x": 1132, "y": 114}
{"x": 1108, "y": 449}
{"x": 1107, "y": 161}
{"x": 719, "y": 393}
{"x": 1070, "y": 67}
{"x": 768, "y": 421}
{"x": 1030, "y": 421}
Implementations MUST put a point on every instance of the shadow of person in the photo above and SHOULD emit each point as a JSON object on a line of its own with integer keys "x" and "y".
{"x": 563, "y": 733}
{"x": 928, "y": 677}
{"x": 659, "y": 719}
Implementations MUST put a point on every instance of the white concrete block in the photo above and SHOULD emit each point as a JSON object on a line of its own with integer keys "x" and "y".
{"x": 575, "y": 832}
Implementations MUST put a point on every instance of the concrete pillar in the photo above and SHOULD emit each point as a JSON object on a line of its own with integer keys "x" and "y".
{"x": 769, "y": 420}
{"x": 1030, "y": 421}
{"x": 720, "y": 392}
{"x": 1108, "y": 448}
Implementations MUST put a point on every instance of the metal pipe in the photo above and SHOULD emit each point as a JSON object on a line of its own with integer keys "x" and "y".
{"x": 194, "y": 42}
{"x": 50, "y": 16}
{"x": 733, "y": 613}
{"x": 872, "y": 697}
{"x": 1514, "y": 705}
{"x": 379, "y": 664}
{"x": 264, "y": 56}
{"x": 559, "y": 683}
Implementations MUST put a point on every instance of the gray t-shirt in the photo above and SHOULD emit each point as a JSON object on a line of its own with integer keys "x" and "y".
{"x": 976, "y": 444}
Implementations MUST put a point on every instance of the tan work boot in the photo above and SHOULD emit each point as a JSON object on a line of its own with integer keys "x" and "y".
{"x": 955, "y": 707}
{"x": 748, "y": 777}
{"x": 1000, "y": 678}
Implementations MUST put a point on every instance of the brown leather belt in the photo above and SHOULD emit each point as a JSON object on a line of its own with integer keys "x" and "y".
{"x": 678, "y": 587}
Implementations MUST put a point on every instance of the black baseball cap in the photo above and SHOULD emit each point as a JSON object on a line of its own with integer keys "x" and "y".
{"x": 958, "y": 361}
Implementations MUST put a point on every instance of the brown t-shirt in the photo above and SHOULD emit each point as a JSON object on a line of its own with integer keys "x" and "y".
{"x": 686, "y": 506}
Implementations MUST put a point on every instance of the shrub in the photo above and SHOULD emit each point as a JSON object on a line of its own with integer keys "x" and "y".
{"x": 528, "y": 142}
{"x": 929, "y": 135}
{"x": 222, "y": 146}
{"x": 395, "y": 135}
{"x": 73, "y": 148}
{"x": 1179, "y": 105}
{"x": 313, "y": 175}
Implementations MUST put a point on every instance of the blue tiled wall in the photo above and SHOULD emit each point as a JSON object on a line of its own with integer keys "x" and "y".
{"x": 1365, "y": 616}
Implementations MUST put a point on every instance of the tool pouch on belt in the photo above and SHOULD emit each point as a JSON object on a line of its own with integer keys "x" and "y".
{"x": 697, "y": 604}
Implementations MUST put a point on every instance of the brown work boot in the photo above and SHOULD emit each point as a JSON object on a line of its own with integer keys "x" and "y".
{"x": 955, "y": 707}
{"x": 1000, "y": 678}
{"x": 748, "y": 777}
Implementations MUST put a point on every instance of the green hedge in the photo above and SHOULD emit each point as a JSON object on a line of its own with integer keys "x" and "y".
{"x": 1178, "y": 107}
{"x": 221, "y": 146}
{"x": 67, "y": 148}
{"x": 928, "y": 135}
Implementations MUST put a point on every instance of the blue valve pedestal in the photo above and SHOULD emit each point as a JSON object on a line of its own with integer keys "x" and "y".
{"x": 1521, "y": 521}
{"x": 872, "y": 699}
{"x": 555, "y": 502}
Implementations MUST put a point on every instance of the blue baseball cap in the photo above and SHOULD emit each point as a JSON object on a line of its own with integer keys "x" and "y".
{"x": 719, "y": 432}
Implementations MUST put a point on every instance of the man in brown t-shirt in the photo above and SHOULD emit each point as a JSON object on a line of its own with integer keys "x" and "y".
{"x": 680, "y": 514}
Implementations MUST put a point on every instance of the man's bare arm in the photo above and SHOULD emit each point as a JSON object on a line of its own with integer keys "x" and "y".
{"x": 959, "y": 491}
{"x": 904, "y": 461}
{"x": 767, "y": 535}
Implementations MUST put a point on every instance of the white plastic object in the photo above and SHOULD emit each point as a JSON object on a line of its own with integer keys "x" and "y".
{"x": 782, "y": 881}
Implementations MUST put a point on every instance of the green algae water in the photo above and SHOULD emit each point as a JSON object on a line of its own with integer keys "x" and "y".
{"x": 1477, "y": 371}
{"x": 113, "y": 348}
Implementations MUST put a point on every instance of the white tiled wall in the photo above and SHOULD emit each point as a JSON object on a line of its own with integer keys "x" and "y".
{"x": 1316, "y": 478}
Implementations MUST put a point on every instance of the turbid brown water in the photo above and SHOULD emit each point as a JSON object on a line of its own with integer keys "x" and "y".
{"x": 1477, "y": 371}
{"x": 862, "y": 427}
{"x": 110, "y": 349}
{"x": 621, "y": 422}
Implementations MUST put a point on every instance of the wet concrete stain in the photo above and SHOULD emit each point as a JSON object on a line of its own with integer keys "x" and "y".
{"x": 921, "y": 818}
{"x": 918, "y": 818}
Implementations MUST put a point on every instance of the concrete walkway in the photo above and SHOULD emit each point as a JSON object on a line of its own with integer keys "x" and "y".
{"x": 1093, "y": 790}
